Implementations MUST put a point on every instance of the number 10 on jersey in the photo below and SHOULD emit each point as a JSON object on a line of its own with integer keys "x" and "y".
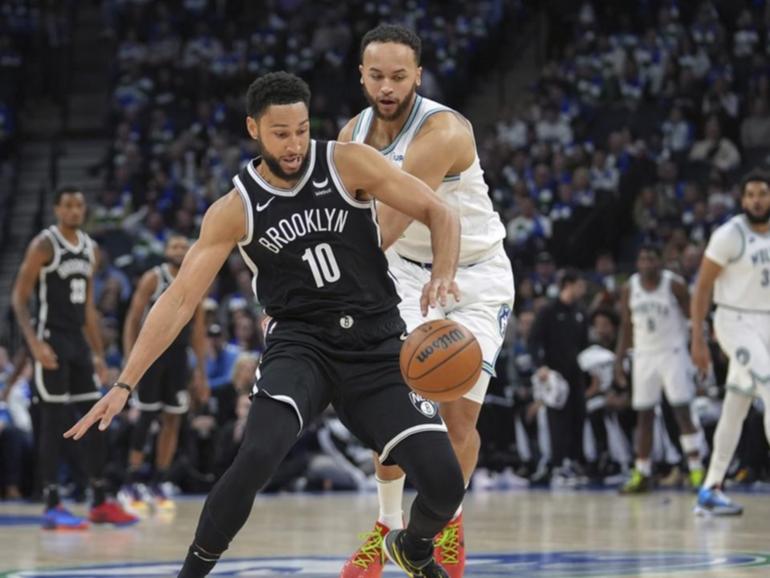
{"x": 323, "y": 264}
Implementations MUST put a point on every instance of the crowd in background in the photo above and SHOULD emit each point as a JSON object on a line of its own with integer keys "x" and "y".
{"x": 636, "y": 130}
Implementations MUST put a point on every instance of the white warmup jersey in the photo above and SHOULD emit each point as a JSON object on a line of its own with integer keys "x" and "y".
{"x": 661, "y": 359}
{"x": 656, "y": 315}
{"x": 484, "y": 277}
{"x": 742, "y": 295}
{"x": 482, "y": 229}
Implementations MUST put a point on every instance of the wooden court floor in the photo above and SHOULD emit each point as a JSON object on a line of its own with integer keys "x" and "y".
{"x": 518, "y": 534}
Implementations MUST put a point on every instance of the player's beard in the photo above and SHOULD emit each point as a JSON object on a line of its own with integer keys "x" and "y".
{"x": 400, "y": 109}
{"x": 757, "y": 219}
{"x": 275, "y": 166}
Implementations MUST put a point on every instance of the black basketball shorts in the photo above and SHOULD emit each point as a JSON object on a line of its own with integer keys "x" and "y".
{"x": 352, "y": 364}
{"x": 74, "y": 379}
{"x": 164, "y": 386}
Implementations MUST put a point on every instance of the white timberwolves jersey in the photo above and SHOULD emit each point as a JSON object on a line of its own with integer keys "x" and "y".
{"x": 657, "y": 317}
{"x": 744, "y": 282}
{"x": 482, "y": 230}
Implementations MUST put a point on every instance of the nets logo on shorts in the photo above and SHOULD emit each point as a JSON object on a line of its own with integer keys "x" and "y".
{"x": 515, "y": 565}
{"x": 424, "y": 406}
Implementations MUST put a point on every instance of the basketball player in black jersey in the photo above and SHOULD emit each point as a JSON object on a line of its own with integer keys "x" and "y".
{"x": 163, "y": 393}
{"x": 59, "y": 262}
{"x": 303, "y": 218}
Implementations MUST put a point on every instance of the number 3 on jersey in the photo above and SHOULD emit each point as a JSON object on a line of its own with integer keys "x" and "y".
{"x": 77, "y": 291}
{"x": 323, "y": 264}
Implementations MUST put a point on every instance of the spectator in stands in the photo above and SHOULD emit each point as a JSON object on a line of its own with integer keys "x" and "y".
{"x": 755, "y": 128}
{"x": 715, "y": 149}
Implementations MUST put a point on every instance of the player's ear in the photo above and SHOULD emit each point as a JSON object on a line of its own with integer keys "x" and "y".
{"x": 361, "y": 71}
{"x": 253, "y": 127}
{"x": 419, "y": 75}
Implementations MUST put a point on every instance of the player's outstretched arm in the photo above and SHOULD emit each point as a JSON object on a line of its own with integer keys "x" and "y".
{"x": 223, "y": 226}
{"x": 367, "y": 174}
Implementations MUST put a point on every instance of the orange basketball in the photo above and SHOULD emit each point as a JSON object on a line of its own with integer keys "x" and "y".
{"x": 441, "y": 360}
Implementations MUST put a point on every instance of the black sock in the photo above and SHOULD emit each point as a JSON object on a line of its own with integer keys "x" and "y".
{"x": 198, "y": 563}
{"x": 160, "y": 476}
{"x": 417, "y": 550}
{"x": 51, "y": 496}
{"x": 100, "y": 493}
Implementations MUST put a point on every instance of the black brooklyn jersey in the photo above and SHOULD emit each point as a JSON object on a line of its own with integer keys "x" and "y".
{"x": 165, "y": 278}
{"x": 63, "y": 283}
{"x": 314, "y": 250}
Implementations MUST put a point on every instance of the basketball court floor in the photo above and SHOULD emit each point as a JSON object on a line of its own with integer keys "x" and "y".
{"x": 517, "y": 534}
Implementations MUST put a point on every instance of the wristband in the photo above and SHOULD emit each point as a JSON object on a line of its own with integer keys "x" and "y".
{"x": 125, "y": 386}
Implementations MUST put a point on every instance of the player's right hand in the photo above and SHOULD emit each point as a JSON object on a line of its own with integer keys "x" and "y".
{"x": 44, "y": 354}
{"x": 701, "y": 356}
{"x": 103, "y": 411}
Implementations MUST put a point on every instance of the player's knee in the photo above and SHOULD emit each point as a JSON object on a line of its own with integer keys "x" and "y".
{"x": 171, "y": 421}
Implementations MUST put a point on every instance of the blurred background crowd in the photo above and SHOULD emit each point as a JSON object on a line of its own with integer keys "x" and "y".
{"x": 635, "y": 128}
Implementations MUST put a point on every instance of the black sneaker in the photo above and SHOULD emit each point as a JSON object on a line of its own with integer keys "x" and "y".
{"x": 427, "y": 568}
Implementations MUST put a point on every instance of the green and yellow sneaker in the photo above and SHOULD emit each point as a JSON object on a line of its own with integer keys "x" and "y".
{"x": 638, "y": 484}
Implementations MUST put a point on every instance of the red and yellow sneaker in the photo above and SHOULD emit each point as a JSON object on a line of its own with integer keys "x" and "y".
{"x": 449, "y": 549}
{"x": 368, "y": 560}
{"x": 110, "y": 512}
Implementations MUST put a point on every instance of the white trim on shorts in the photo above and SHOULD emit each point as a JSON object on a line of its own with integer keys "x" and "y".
{"x": 283, "y": 399}
{"x": 398, "y": 438}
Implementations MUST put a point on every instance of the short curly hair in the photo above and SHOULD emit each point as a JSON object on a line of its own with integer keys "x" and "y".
{"x": 275, "y": 88}
{"x": 393, "y": 33}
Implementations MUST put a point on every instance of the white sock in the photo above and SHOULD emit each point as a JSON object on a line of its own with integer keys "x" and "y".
{"x": 390, "y": 494}
{"x": 644, "y": 466}
{"x": 726, "y": 437}
{"x": 691, "y": 446}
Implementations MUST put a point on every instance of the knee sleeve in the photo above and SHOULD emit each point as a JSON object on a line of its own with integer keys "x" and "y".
{"x": 431, "y": 465}
{"x": 271, "y": 431}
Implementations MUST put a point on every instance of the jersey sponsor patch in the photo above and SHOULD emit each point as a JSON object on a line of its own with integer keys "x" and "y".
{"x": 565, "y": 564}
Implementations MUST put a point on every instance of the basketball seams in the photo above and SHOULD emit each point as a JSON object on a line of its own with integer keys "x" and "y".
{"x": 444, "y": 323}
{"x": 473, "y": 375}
{"x": 449, "y": 358}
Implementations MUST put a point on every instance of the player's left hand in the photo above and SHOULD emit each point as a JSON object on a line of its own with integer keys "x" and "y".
{"x": 103, "y": 411}
{"x": 436, "y": 292}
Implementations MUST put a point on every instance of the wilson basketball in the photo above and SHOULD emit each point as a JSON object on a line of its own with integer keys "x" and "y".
{"x": 441, "y": 360}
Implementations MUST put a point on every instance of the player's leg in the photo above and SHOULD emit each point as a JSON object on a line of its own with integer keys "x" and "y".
{"x": 408, "y": 429}
{"x": 55, "y": 417}
{"x": 743, "y": 345}
{"x": 92, "y": 449}
{"x": 679, "y": 385}
{"x": 271, "y": 431}
{"x": 647, "y": 386}
{"x": 147, "y": 400}
{"x": 176, "y": 403}
{"x": 289, "y": 393}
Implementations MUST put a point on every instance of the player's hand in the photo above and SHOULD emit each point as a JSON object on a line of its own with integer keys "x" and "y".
{"x": 44, "y": 354}
{"x": 103, "y": 411}
{"x": 436, "y": 292}
{"x": 100, "y": 367}
{"x": 701, "y": 356}
{"x": 620, "y": 376}
{"x": 263, "y": 324}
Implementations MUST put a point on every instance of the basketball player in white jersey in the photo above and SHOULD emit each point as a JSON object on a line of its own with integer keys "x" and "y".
{"x": 737, "y": 266}
{"x": 655, "y": 304}
{"x": 163, "y": 393}
{"x": 435, "y": 144}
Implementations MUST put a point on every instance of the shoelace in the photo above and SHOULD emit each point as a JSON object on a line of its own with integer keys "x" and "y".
{"x": 449, "y": 542}
{"x": 370, "y": 551}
